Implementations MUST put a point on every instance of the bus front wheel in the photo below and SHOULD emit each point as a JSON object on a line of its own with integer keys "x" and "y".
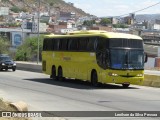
{"x": 125, "y": 85}
{"x": 94, "y": 79}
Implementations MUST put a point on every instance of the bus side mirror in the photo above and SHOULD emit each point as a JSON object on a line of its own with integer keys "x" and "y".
{"x": 145, "y": 57}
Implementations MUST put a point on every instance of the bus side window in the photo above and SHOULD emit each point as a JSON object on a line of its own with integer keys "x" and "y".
{"x": 102, "y": 44}
{"x": 83, "y": 44}
{"x": 91, "y": 46}
{"x": 63, "y": 44}
{"x": 51, "y": 42}
{"x": 48, "y": 44}
{"x": 73, "y": 44}
{"x": 56, "y": 44}
{"x": 44, "y": 44}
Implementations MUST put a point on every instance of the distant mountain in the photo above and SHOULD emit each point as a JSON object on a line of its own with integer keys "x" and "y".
{"x": 147, "y": 17}
{"x": 31, "y": 5}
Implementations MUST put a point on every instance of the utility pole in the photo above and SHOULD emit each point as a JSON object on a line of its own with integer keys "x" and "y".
{"x": 38, "y": 31}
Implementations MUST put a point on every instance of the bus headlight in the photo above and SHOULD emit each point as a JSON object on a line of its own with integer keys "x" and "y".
{"x": 3, "y": 63}
{"x": 112, "y": 74}
{"x": 140, "y": 75}
{"x": 14, "y": 64}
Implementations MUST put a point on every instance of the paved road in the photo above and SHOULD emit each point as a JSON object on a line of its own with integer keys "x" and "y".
{"x": 41, "y": 93}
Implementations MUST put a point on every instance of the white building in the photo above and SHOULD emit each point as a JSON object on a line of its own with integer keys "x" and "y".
{"x": 156, "y": 27}
{"x": 65, "y": 31}
{"x": 33, "y": 26}
{"x": 4, "y": 10}
{"x": 71, "y": 25}
{"x": 42, "y": 27}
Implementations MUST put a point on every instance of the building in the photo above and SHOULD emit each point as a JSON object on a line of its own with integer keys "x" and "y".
{"x": 156, "y": 26}
{"x": 4, "y": 10}
{"x": 65, "y": 16}
{"x": 151, "y": 36}
{"x": 114, "y": 20}
{"x": 33, "y": 26}
{"x": 142, "y": 25}
{"x": 128, "y": 20}
{"x": 105, "y": 28}
{"x": 14, "y": 15}
{"x": 15, "y": 35}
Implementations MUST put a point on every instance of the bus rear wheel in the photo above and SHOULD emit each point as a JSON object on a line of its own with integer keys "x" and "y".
{"x": 94, "y": 79}
{"x": 60, "y": 73}
{"x": 53, "y": 76}
{"x": 125, "y": 85}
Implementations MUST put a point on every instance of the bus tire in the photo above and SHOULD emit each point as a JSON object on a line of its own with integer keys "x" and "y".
{"x": 60, "y": 73}
{"x": 94, "y": 79}
{"x": 53, "y": 76}
{"x": 125, "y": 85}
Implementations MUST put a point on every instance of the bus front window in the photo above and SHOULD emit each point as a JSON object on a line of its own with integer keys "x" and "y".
{"x": 127, "y": 59}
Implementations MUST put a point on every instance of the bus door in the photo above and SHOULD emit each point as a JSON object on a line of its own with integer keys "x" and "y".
{"x": 102, "y": 57}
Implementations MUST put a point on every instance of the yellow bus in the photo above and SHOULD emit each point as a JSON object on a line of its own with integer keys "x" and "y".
{"x": 95, "y": 56}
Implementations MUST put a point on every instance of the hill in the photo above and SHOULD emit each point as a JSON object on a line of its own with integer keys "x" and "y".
{"x": 147, "y": 17}
{"x": 46, "y": 5}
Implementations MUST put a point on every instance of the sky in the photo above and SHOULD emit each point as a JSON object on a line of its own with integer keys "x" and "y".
{"x": 102, "y": 8}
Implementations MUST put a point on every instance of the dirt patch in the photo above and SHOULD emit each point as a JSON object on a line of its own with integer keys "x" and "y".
{"x": 5, "y": 106}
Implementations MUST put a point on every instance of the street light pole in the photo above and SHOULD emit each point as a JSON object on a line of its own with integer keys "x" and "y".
{"x": 22, "y": 33}
{"x": 38, "y": 31}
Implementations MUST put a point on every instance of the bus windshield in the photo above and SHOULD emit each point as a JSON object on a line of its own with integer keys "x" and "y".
{"x": 127, "y": 59}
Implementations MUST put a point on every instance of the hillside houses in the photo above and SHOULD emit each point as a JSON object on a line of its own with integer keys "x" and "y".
{"x": 60, "y": 22}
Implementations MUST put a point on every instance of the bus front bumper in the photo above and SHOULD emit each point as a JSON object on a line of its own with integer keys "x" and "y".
{"x": 126, "y": 80}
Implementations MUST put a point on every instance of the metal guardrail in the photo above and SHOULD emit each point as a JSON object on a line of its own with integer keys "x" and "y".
{"x": 150, "y": 43}
{"x": 27, "y": 66}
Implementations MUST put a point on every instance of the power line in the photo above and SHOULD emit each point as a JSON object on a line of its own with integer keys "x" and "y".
{"x": 140, "y": 9}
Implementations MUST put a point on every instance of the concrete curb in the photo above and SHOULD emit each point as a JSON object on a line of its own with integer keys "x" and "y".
{"x": 33, "y": 67}
{"x": 151, "y": 80}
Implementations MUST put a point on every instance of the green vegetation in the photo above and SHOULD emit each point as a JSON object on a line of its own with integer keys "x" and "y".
{"x": 28, "y": 51}
{"x": 1, "y": 18}
{"x": 13, "y": 24}
{"x": 55, "y": 1}
{"x": 105, "y": 21}
{"x": 89, "y": 23}
{"x": 120, "y": 26}
{"x": 4, "y": 45}
{"x": 51, "y": 4}
{"x": 15, "y": 9}
{"x": 4, "y": 0}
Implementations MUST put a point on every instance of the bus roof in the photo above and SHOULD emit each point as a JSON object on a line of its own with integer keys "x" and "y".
{"x": 96, "y": 33}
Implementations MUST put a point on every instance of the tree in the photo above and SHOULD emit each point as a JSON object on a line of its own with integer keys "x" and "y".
{"x": 120, "y": 26}
{"x": 28, "y": 51}
{"x": 4, "y": 45}
{"x": 1, "y": 18}
{"x": 89, "y": 23}
{"x": 51, "y": 4}
{"x": 105, "y": 21}
{"x": 15, "y": 9}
